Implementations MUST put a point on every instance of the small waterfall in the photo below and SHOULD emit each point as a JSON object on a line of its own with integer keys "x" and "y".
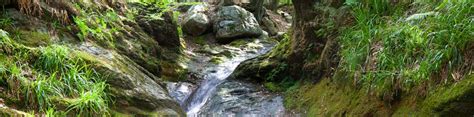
{"x": 215, "y": 76}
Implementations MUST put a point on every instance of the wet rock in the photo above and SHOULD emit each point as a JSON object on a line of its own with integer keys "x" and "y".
{"x": 235, "y": 22}
{"x": 164, "y": 29}
{"x": 180, "y": 91}
{"x": 239, "y": 98}
{"x": 135, "y": 91}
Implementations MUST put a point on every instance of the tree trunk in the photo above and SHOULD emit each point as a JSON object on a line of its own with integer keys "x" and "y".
{"x": 311, "y": 54}
{"x": 304, "y": 39}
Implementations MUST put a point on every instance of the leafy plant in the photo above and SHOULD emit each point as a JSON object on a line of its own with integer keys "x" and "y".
{"x": 97, "y": 26}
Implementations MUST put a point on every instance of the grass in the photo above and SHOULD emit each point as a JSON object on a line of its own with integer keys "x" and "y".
{"x": 48, "y": 80}
{"x": 405, "y": 52}
{"x": 388, "y": 63}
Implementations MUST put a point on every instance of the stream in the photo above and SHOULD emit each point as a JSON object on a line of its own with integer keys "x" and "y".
{"x": 215, "y": 95}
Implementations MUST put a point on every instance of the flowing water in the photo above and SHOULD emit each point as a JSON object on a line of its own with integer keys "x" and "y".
{"x": 216, "y": 95}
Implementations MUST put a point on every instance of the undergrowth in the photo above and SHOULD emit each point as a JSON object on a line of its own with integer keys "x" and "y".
{"x": 98, "y": 26}
{"x": 49, "y": 80}
{"x": 392, "y": 58}
{"x": 388, "y": 52}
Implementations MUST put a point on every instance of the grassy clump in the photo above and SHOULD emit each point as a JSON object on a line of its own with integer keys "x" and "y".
{"x": 392, "y": 64}
{"x": 51, "y": 80}
{"x": 388, "y": 53}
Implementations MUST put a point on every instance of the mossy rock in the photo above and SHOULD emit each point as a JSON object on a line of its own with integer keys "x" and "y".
{"x": 239, "y": 42}
{"x": 217, "y": 59}
{"x": 134, "y": 90}
{"x": 10, "y": 112}
{"x": 456, "y": 99}
{"x": 200, "y": 40}
{"x": 172, "y": 71}
{"x": 32, "y": 38}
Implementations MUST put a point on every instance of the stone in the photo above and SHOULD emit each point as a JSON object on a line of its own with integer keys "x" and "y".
{"x": 164, "y": 29}
{"x": 196, "y": 24}
{"x": 233, "y": 22}
{"x": 200, "y": 8}
{"x": 272, "y": 29}
{"x": 234, "y": 97}
{"x": 134, "y": 90}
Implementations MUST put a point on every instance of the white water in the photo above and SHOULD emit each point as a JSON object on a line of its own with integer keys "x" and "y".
{"x": 217, "y": 76}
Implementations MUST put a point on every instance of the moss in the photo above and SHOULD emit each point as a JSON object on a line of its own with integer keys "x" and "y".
{"x": 239, "y": 42}
{"x": 10, "y": 112}
{"x": 200, "y": 40}
{"x": 283, "y": 49}
{"x": 456, "y": 99}
{"x": 332, "y": 98}
{"x": 86, "y": 56}
{"x": 227, "y": 54}
{"x": 32, "y": 39}
{"x": 273, "y": 87}
{"x": 171, "y": 71}
{"x": 328, "y": 98}
{"x": 216, "y": 59}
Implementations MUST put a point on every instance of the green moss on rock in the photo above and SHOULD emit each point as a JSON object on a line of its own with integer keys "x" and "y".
{"x": 457, "y": 99}
{"x": 217, "y": 59}
{"x": 32, "y": 38}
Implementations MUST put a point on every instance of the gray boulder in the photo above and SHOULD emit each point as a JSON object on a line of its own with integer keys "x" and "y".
{"x": 200, "y": 8}
{"x": 196, "y": 22}
{"x": 235, "y": 22}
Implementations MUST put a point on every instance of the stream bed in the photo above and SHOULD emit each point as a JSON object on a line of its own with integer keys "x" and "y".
{"x": 215, "y": 95}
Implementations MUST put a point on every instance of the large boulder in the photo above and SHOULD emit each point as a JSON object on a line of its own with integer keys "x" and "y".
{"x": 235, "y": 22}
{"x": 134, "y": 90}
{"x": 196, "y": 22}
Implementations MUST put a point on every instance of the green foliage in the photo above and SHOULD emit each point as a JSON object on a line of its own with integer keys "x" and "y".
{"x": 51, "y": 81}
{"x": 52, "y": 59}
{"x": 6, "y": 22}
{"x": 68, "y": 78}
{"x": 277, "y": 71}
{"x": 285, "y": 2}
{"x": 176, "y": 19}
{"x": 97, "y": 26}
{"x": 282, "y": 49}
{"x": 381, "y": 51}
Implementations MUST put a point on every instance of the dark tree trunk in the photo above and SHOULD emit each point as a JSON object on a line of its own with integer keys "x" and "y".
{"x": 304, "y": 39}
{"x": 311, "y": 54}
